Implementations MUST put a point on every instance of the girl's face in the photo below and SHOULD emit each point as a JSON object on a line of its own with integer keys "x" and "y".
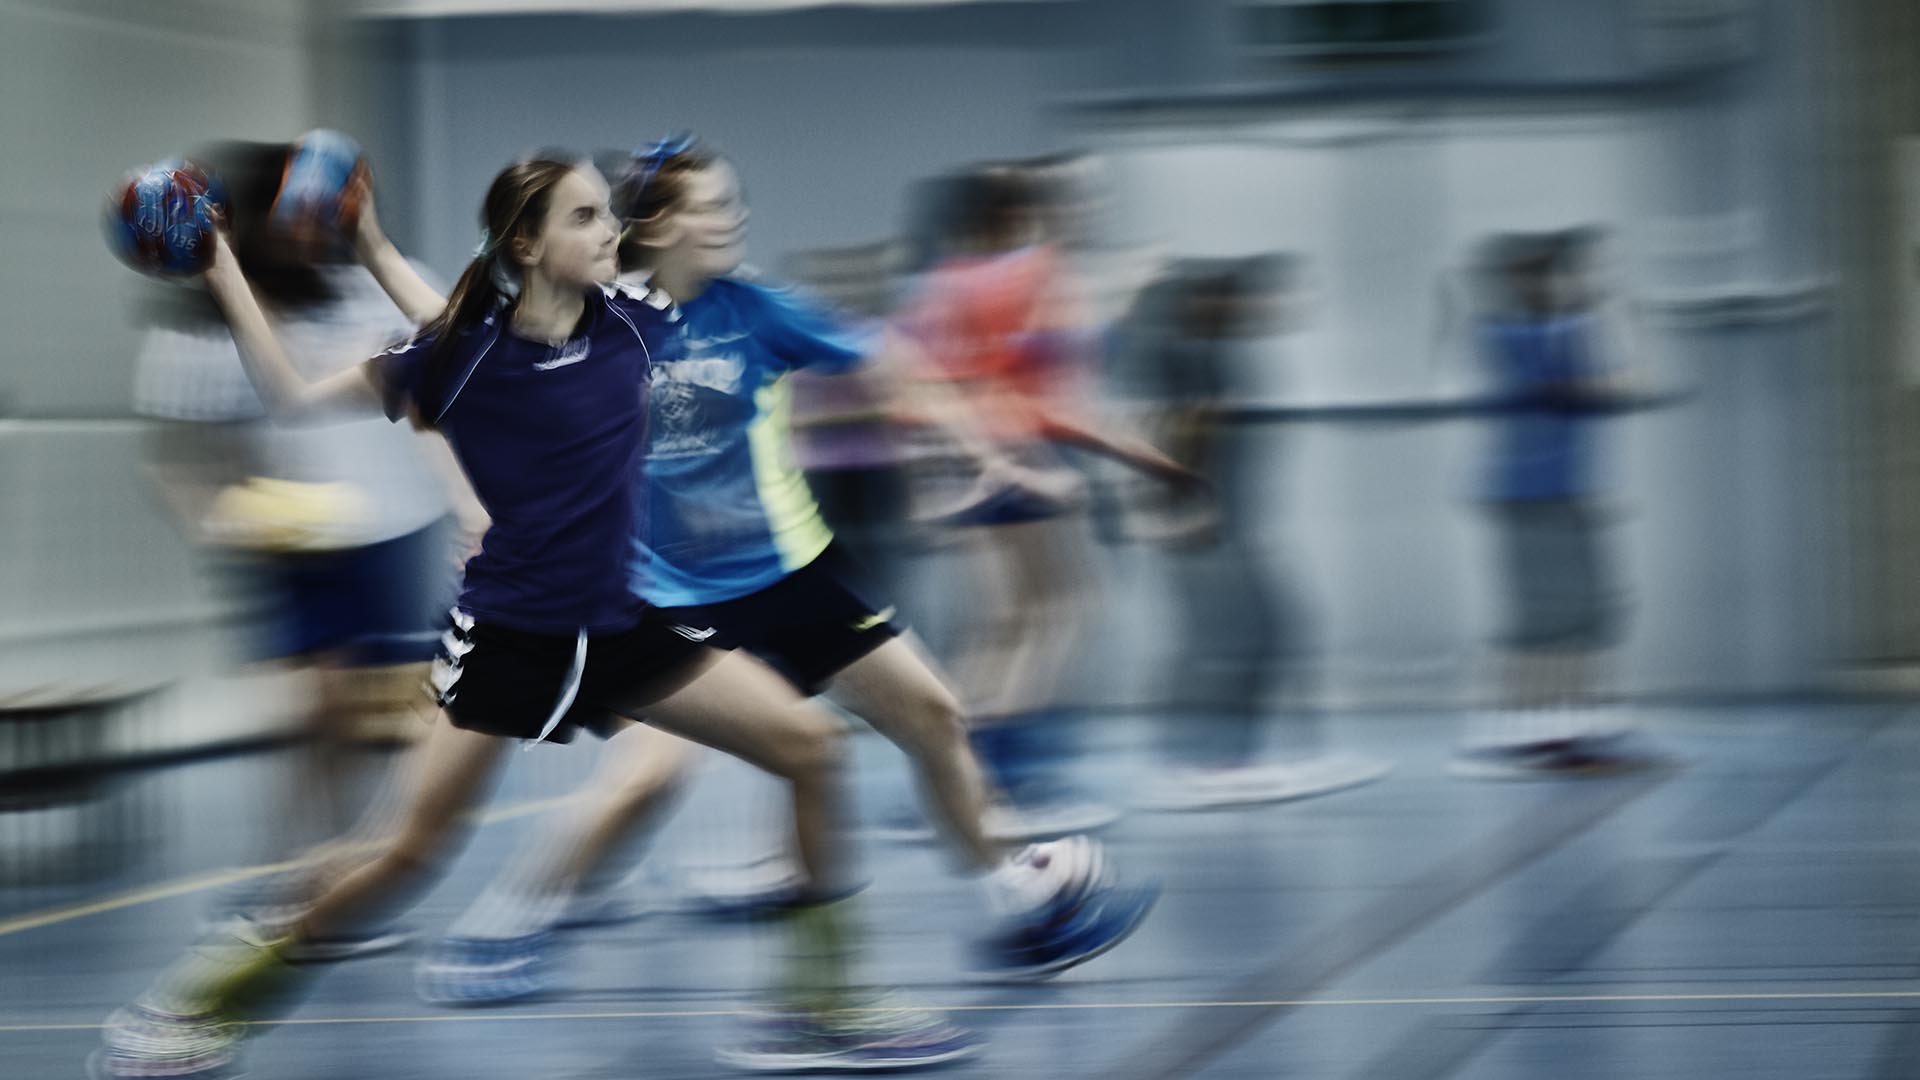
{"x": 575, "y": 245}
{"x": 706, "y": 233}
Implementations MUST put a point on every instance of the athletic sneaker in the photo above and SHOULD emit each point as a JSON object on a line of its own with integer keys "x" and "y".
{"x": 1251, "y": 785}
{"x": 1607, "y": 754}
{"x": 880, "y": 1034}
{"x": 1085, "y": 916}
{"x": 487, "y": 971}
{"x": 188, "y": 1027}
{"x": 145, "y": 1041}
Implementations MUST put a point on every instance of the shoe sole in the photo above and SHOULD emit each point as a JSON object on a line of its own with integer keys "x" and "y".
{"x": 803, "y": 1063}
{"x": 1042, "y": 972}
{"x": 96, "y": 1067}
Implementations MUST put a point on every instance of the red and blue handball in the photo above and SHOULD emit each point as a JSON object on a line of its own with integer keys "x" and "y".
{"x": 160, "y": 220}
{"x": 319, "y": 199}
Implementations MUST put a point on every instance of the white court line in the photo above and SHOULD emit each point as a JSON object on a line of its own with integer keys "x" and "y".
{"x": 1095, "y": 1006}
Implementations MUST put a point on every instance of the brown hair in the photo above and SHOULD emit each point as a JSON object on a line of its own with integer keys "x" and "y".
{"x": 515, "y": 207}
{"x": 646, "y": 192}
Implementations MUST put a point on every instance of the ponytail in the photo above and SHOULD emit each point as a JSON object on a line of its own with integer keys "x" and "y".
{"x": 516, "y": 204}
{"x": 473, "y": 296}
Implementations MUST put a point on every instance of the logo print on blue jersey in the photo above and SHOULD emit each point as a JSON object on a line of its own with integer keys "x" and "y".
{"x": 683, "y": 426}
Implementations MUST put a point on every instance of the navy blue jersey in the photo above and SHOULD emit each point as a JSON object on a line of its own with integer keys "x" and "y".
{"x": 552, "y": 439}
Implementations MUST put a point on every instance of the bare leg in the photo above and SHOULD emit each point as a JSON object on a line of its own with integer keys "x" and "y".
{"x": 636, "y": 787}
{"x": 741, "y": 707}
{"x": 1047, "y": 587}
{"x": 895, "y": 689}
{"x": 454, "y": 771}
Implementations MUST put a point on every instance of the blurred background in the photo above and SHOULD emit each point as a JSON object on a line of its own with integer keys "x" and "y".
{"x": 1734, "y": 186}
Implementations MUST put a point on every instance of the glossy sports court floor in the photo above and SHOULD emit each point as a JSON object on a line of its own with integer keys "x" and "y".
{"x": 1752, "y": 913}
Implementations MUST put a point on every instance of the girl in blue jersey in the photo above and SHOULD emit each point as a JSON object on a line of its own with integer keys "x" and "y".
{"x": 734, "y": 541}
{"x": 536, "y": 373}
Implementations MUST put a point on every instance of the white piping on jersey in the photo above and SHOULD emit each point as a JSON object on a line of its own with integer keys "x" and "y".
{"x": 493, "y": 321}
{"x": 653, "y": 298}
{"x": 574, "y": 675}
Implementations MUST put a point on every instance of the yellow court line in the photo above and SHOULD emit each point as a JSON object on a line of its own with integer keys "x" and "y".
{"x": 33, "y": 920}
{"x": 1095, "y": 1006}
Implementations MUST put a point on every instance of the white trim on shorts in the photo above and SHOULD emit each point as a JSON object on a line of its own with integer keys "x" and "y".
{"x": 568, "y": 693}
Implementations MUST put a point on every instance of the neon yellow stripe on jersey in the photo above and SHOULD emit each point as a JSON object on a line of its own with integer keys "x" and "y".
{"x": 793, "y": 518}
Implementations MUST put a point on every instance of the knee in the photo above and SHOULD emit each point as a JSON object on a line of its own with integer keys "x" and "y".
{"x": 936, "y": 725}
{"x": 815, "y": 748}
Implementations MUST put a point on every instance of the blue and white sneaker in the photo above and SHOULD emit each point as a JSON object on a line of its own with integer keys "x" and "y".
{"x": 1086, "y": 916}
{"x": 880, "y": 1034}
{"x": 487, "y": 971}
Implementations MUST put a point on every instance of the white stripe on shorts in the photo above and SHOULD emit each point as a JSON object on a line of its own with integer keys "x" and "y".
{"x": 572, "y": 690}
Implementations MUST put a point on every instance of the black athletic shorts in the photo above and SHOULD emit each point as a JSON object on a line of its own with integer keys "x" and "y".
{"x": 500, "y": 681}
{"x": 808, "y": 626}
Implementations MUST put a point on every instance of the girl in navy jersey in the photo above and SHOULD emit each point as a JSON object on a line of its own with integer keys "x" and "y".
{"x": 734, "y": 541}
{"x": 535, "y": 371}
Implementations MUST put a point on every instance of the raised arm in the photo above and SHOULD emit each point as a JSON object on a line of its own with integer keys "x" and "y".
{"x": 410, "y": 292}
{"x": 286, "y": 393}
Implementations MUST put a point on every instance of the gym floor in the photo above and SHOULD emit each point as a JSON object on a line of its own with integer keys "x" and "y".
{"x": 1752, "y": 912}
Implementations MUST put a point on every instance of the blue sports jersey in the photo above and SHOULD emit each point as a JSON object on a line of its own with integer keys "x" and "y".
{"x": 551, "y": 437}
{"x": 729, "y": 511}
{"x": 1543, "y": 452}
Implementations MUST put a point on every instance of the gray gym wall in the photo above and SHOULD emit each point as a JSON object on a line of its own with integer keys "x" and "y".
{"x": 1746, "y": 535}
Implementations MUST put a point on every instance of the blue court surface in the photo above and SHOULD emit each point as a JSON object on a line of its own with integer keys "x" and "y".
{"x": 1752, "y": 912}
